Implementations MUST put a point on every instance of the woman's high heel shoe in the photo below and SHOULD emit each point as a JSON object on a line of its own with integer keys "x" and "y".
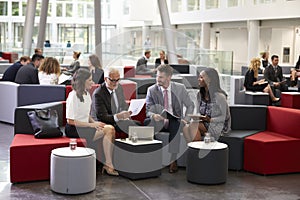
{"x": 109, "y": 171}
{"x": 275, "y": 100}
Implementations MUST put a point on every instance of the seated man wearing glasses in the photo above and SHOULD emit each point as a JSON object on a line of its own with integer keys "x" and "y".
{"x": 108, "y": 103}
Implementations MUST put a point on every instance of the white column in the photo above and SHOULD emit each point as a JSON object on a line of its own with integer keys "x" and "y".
{"x": 253, "y": 39}
{"x": 98, "y": 31}
{"x": 205, "y": 36}
{"x": 28, "y": 28}
{"x": 168, "y": 30}
{"x": 43, "y": 23}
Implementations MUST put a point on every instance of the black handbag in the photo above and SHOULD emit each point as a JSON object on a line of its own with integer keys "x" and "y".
{"x": 44, "y": 123}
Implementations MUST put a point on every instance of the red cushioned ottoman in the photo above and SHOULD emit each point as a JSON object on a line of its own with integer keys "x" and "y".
{"x": 30, "y": 157}
{"x": 270, "y": 153}
{"x": 290, "y": 99}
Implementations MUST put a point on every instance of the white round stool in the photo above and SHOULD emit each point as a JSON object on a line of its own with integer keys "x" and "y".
{"x": 73, "y": 171}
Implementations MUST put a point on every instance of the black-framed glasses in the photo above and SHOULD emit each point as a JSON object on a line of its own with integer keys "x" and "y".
{"x": 113, "y": 80}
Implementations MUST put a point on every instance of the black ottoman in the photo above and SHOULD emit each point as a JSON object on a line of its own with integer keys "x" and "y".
{"x": 207, "y": 163}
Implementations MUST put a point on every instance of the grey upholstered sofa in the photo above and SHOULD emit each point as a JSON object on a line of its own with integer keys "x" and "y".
{"x": 14, "y": 95}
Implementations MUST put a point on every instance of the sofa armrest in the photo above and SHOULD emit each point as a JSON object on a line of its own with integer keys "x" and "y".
{"x": 248, "y": 117}
{"x": 40, "y": 94}
{"x": 22, "y": 124}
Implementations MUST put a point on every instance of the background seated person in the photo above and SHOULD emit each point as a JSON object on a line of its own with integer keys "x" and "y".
{"x": 141, "y": 65}
{"x": 28, "y": 74}
{"x": 75, "y": 65}
{"x": 161, "y": 60}
{"x": 273, "y": 74}
{"x": 295, "y": 73}
{"x": 49, "y": 71}
{"x": 251, "y": 83}
{"x": 11, "y": 72}
{"x": 214, "y": 115}
{"x": 109, "y": 105}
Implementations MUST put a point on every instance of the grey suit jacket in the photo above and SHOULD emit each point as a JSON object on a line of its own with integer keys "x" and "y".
{"x": 180, "y": 98}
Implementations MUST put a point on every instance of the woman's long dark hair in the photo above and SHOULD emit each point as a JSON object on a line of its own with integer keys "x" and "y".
{"x": 78, "y": 82}
{"x": 214, "y": 84}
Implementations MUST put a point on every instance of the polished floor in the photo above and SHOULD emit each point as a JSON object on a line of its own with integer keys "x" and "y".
{"x": 239, "y": 185}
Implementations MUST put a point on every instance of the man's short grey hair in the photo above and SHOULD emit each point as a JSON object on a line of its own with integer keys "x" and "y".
{"x": 110, "y": 70}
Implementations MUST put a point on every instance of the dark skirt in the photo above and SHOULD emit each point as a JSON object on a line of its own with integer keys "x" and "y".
{"x": 82, "y": 132}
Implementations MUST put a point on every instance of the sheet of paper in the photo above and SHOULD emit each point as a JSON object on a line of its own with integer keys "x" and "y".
{"x": 63, "y": 77}
{"x": 136, "y": 106}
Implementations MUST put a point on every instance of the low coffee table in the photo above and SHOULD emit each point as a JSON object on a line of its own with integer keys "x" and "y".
{"x": 207, "y": 163}
{"x": 142, "y": 159}
{"x": 73, "y": 171}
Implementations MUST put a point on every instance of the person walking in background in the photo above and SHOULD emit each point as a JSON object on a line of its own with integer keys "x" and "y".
{"x": 214, "y": 115}
{"x": 162, "y": 59}
{"x": 251, "y": 83}
{"x": 171, "y": 97}
{"x": 147, "y": 43}
{"x": 11, "y": 72}
{"x": 49, "y": 71}
{"x": 96, "y": 69}
{"x": 28, "y": 74}
{"x": 81, "y": 124}
{"x": 141, "y": 65}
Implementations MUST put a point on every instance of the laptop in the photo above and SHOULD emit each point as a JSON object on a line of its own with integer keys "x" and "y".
{"x": 142, "y": 132}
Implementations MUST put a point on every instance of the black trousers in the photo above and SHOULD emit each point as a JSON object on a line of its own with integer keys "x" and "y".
{"x": 174, "y": 128}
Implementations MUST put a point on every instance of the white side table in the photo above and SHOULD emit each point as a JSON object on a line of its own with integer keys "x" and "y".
{"x": 207, "y": 163}
{"x": 73, "y": 172}
{"x": 138, "y": 160}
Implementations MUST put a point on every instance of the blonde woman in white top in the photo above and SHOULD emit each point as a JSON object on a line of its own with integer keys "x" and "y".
{"x": 49, "y": 71}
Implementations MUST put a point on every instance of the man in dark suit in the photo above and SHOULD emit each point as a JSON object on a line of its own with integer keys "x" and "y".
{"x": 141, "y": 65}
{"x": 11, "y": 72}
{"x": 162, "y": 59}
{"x": 273, "y": 74}
{"x": 28, "y": 74}
{"x": 170, "y": 96}
{"x": 109, "y": 105}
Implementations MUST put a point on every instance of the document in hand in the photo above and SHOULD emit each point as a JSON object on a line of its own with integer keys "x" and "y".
{"x": 63, "y": 77}
{"x": 166, "y": 114}
{"x": 136, "y": 106}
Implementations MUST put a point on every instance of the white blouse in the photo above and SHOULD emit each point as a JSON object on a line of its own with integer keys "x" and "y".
{"x": 47, "y": 79}
{"x": 77, "y": 110}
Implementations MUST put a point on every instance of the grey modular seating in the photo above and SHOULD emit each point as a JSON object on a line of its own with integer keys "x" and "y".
{"x": 238, "y": 94}
{"x": 14, "y": 95}
{"x": 246, "y": 120}
{"x": 22, "y": 124}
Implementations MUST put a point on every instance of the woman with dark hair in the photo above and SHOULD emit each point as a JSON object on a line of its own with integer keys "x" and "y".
{"x": 213, "y": 112}
{"x": 96, "y": 69}
{"x": 81, "y": 124}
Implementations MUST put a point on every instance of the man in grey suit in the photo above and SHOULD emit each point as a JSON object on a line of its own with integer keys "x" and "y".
{"x": 170, "y": 96}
